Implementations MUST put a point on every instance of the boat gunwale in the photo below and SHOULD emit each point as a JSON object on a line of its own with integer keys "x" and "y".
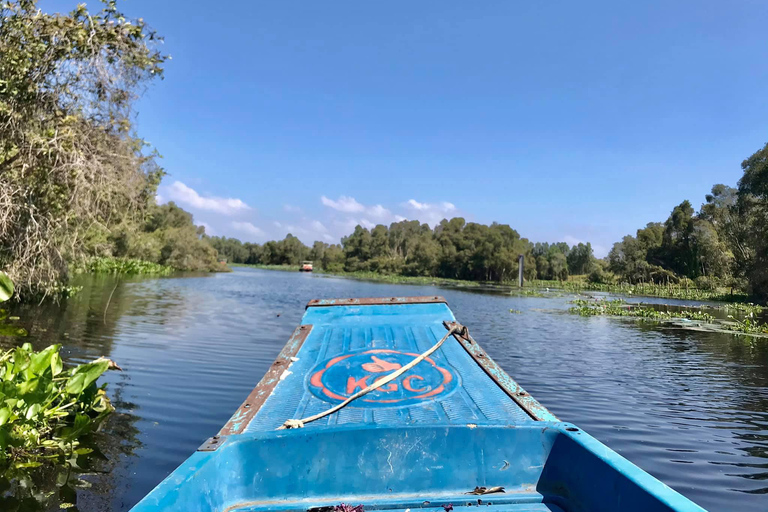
{"x": 263, "y": 390}
{"x": 378, "y": 301}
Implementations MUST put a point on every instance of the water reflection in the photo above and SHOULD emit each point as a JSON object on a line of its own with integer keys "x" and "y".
{"x": 689, "y": 407}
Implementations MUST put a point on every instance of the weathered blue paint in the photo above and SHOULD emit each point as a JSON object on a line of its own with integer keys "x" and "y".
{"x": 458, "y": 423}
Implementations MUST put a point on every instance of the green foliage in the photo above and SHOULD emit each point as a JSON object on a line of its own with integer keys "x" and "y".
{"x": 724, "y": 245}
{"x": 6, "y": 287}
{"x": 71, "y": 170}
{"x": 749, "y": 308}
{"x": 75, "y": 182}
{"x": 752, "y": 207}
{"x": 621, "y": 308}
{"x": 44, "y": 409}
{"x": 125, "y": 266}
{"x": 747, "y": 326}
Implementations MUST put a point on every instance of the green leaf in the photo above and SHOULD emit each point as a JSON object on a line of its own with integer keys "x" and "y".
{"x": 84, "y": 375}
{"x": 41, "y": 361}
{"x": 29, "y": 386}
{"x": 33, "y": 411}
{"x": 6, "y": 287}
{"x": 56, "y": 364}
{"x": 76, "y": 384}
{"x": 27, "y": 464}
{"x": 5, "y": 413}
{"x": 21, "y": 358}
{"x": 81, "y": 425}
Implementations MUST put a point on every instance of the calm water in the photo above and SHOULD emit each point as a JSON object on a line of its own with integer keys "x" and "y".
{"x": 689, "y": 407}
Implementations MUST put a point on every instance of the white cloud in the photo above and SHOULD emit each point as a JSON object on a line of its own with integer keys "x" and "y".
{"x": 330, "y": 239}
{"x": 159, "y": 199}
{"x": 378, "y": 212}
{"x": 572, "y": 240}
{"x": 344, "y": 204}
{"x": 291, "y": 209}
{"x": 181, "y": 193}
{"x": 417, "y": 205}
{"x": 430, "y": 213}
{"x": 247, "y": 227}
{"x": 318, "y": 226}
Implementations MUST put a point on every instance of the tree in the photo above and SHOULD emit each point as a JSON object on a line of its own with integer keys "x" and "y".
{"x": 71, "y": 172}
{"x": 678, "y": 251}
{"x": 580, "y": 259}
{"x": 357, "y": 250}
{"x": 753, "y": 212}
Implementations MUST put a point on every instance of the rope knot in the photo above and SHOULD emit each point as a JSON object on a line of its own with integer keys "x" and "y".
{"x": 289, "y": 424}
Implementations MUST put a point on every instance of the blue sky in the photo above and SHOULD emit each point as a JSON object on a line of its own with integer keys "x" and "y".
{"x": 567, "y": 120}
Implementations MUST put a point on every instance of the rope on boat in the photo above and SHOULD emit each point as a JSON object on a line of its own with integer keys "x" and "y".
{"x": 455, "y": 328}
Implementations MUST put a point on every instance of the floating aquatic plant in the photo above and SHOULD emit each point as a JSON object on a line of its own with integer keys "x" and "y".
{"x": 44, "y": 408}
{"x": 619, "y": 307}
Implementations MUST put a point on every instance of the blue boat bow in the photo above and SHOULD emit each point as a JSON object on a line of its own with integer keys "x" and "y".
{"x": 453, "y": 430}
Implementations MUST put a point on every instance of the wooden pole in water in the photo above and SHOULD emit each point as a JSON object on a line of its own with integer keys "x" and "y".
{"x": 521, "y": 264}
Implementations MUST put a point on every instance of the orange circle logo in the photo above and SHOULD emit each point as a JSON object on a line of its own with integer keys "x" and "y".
{"x": 338, "y": 378}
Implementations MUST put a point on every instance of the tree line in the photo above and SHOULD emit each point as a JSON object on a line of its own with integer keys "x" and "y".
{"x": 454, "y": 249}
{"x": 725, "y": 243}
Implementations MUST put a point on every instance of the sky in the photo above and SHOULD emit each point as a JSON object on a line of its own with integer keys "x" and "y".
{"x": 569, "y": 121}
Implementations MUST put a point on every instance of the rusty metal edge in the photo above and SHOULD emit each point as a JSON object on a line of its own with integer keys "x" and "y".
{"x": 377, "y": 301}
{"x": 212, "y": 444}
{"x": 245, "y": 413}
{"x": 514, "y": 390}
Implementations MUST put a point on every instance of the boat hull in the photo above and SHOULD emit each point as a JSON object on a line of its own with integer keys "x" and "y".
{"x": 454, "y": 423}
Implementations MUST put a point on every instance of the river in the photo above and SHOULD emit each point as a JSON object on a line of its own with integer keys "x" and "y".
{"x": 689, "y": 407}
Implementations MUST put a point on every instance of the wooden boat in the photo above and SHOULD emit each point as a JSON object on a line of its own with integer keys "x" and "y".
{"x": 452, "y": 432}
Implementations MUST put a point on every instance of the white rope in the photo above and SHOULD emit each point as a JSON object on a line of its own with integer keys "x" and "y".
{"x": 389, "y": 378}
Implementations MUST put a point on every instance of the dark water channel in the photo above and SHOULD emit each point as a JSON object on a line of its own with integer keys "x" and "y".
{"x": 689, "y": 407}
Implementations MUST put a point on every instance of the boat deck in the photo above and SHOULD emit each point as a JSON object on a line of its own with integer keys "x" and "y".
{"x": 392, "y": 336}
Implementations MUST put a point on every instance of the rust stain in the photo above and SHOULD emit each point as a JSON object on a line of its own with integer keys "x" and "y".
{"x": 378, "y": 301}
{"x": 245, "y": 413}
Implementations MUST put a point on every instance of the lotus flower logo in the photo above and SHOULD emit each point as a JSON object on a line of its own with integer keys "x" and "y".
{"x": 380, "y": 365}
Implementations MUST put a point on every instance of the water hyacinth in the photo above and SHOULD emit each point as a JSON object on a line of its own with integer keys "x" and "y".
{"x": 44, "y": 409}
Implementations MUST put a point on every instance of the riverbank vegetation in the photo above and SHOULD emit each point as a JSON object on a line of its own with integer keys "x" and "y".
{"x": 723, "y": 245}
{"x": 45, "y": 408}
{"x": 454, "y": 249}
{"x": 76, "y": 182}
{"x": 717, "y": 253}
{"x": 745, "y": 324}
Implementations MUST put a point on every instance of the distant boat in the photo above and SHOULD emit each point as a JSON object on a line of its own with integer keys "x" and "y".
{"x": 306, "y": 266}
{"x": 391, "y": 404}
